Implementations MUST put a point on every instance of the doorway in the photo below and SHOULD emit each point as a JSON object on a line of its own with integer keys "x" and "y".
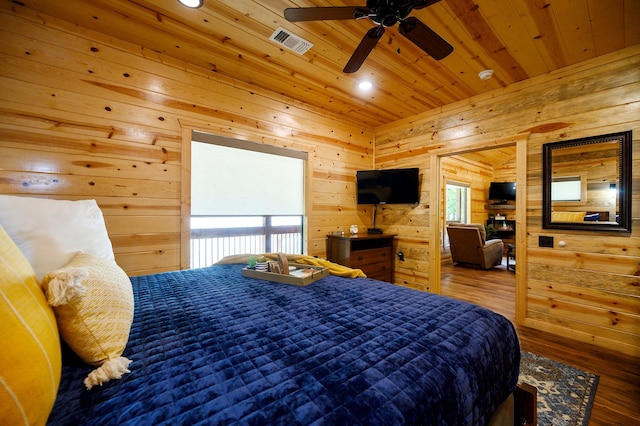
{"x": 479, "y": 168}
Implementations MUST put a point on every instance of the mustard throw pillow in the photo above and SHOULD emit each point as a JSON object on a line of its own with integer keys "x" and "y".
{"x": 567, "y": 216}
{"x": 93, "y": 302}
{"x": 30, "y": 359}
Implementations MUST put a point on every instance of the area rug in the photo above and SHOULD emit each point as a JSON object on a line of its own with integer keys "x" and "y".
{"x": 565, "y": 393}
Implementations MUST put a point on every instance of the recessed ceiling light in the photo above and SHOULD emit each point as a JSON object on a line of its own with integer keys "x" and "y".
{"x": 365, "y": 85}
{"x": 192, "y": 3}
{"x": 485, "y": 74}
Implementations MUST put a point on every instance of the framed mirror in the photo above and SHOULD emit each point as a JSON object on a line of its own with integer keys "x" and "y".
{"x": 587, "y": 183}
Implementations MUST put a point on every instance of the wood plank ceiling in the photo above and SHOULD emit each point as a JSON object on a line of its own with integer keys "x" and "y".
{"x": 518, "y": 39}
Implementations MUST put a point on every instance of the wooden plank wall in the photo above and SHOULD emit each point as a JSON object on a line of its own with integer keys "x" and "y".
{"x": 86, "y": 116}
{"x": 588, "y": 289}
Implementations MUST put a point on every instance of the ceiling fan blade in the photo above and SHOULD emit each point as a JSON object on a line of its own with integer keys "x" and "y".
{"x": 425, "y": 38}
{"x": 365, "y": 47}
{"x": 296, "y": 14}
{"x": 424, "y": 3}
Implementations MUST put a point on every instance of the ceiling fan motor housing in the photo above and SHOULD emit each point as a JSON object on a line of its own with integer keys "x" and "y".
{"x": 388, "y": 12}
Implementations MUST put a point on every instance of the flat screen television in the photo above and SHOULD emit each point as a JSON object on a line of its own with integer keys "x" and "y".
{"x": 391, "y": 186}
{"x": 502, "y": 192}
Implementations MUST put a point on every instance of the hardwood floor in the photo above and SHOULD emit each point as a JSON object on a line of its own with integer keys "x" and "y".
{"x": 617, "y": 400}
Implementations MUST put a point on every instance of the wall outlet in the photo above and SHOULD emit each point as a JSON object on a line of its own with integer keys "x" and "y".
{"x": 544, "y": 241}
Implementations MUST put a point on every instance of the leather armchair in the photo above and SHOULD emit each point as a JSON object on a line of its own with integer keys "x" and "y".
{"x": 470, "y": 247}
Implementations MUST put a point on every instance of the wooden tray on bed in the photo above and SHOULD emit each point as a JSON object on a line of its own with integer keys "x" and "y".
{"x": 314, "y": 273}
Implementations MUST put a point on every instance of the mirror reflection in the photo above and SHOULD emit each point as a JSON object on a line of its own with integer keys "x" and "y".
{"x": 585, "y": 183}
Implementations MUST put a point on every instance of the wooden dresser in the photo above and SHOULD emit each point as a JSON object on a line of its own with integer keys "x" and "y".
{"x": 373, "y": 253}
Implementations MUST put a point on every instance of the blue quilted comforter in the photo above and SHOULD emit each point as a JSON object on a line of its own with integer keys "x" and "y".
{"x": 210, "y": 346}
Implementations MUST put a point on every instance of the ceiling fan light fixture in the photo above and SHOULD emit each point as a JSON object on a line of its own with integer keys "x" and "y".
{"x": 485, "y": 74}
{"x": 194, "y": 4}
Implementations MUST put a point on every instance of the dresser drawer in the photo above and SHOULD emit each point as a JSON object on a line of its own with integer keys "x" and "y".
{"x": 379, "y": 271}
{"x": 360, "y": 258}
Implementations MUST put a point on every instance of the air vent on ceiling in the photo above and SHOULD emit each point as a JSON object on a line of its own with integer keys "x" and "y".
{"x": 291, "y": 41}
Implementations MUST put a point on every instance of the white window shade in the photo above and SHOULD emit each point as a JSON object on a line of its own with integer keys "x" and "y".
{"x": 568, "y": 189}
{"x": 231, "y": 181}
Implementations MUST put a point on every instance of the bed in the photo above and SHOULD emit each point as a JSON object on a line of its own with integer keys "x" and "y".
{"x": 211, "y": 346}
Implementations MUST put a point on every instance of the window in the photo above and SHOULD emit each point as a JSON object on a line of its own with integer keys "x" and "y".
{"x": 568, "y": 188}
{"x": 245, "y": 198}
{"x": 457, "y": 206}
{"x": 457, "y": 202}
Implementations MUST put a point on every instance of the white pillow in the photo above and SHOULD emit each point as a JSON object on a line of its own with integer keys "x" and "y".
{"x": 49, "y": 232}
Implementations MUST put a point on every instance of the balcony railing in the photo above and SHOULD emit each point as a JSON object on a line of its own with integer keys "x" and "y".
{"x": 273, "y": 234}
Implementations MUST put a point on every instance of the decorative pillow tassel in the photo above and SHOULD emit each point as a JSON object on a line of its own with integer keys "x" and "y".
{"x": 110, "y": 369}
{"x": 62, "y": 286}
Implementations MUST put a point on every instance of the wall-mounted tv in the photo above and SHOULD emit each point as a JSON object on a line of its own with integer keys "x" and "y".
{"x": 502, "y": 191}
{"x": 391, "y": 186}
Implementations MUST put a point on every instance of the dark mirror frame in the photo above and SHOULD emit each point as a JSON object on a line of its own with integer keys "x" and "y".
{"x": 623, "y": 185}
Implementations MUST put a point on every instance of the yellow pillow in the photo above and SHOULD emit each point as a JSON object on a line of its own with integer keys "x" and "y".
{"x": 30, "y": 359}
{"x": 93, "y": 302}
{"x": 567, "y": 216}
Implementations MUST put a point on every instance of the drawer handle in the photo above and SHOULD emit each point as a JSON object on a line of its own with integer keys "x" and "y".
{"x": 359, "y": 257}
{"x": 384, "y": 254}
{"x": 384, "y": 268}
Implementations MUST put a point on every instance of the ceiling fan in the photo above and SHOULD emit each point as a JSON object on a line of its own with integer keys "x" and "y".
{"x": 385, "y": 13}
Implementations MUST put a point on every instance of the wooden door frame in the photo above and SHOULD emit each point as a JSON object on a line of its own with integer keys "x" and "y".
{"x": 435, "y": 202}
